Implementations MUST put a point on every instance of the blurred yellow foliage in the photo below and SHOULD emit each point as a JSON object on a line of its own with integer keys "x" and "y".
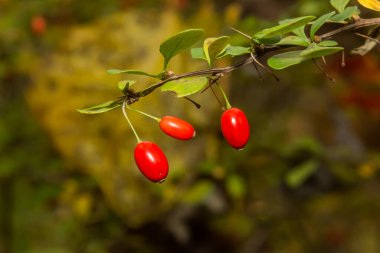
{"x": 233, "y": 13}
{"x": 370, "y": 4}
{"x": 367, "y": 170}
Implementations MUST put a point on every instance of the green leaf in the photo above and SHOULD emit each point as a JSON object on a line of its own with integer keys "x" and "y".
{"x": 125, "y": 84}
{"x": 198, "y": 53}
{"x": 287, "y": 59}
{"x": 293, "y": 40}
{"x": 300, "y": 32}
{"x": 347, "y": 13}
{"x": 234, "y": 51}
{"x": 339, "y": 5}
{"x": 298, "y": 175}
{"x": 237, "y": 50}
{"x": 268, "y": 40}
{"x": 328, "y": 43}
{"x": 212, "y": 47}
{"x": 107, "y": 106}
{"x": 285, "y": 27}
{"x": 186, "y": 86}
{"x": 129, "y": 71}
{"x": 315, "y": 51}
{"x": 178, "y": 43}
{"x": 319, "y": 23}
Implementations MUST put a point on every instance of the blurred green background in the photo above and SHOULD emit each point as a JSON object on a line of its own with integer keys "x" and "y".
{"x": 307, "y": 182}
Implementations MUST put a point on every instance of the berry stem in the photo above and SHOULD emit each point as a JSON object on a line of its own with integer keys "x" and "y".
{"x": 129, "y": 122}
{"x": 228, "y": 105}
{"x": 143, "y": 113}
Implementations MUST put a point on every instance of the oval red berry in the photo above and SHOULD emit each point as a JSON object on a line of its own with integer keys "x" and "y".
{"x": 235, "y": 127}
{"x": 151, "y": 161}
{"x": 177, "y": 128}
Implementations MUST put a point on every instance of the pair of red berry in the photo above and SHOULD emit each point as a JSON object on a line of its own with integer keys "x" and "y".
{"x": 149, "y": 157}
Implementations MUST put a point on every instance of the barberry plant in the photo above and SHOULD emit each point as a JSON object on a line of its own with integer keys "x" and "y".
{"x": 291, "y": 42}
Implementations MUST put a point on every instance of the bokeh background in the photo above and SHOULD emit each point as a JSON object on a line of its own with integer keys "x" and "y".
{"x": 307, "y": 182}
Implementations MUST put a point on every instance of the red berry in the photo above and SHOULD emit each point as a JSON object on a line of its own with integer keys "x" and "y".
{"x": 177, "y": 128}
{"x": 38, "y": 25}
{"x": 151, "y": 161}
{"x": 235, "y": 127}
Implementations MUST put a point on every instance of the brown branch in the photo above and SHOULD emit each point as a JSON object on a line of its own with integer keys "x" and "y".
{"x": 356, "y": 25}
{"x": 206, "y": 72}
{"x": 368, "y": 37}
{"x": 258, "y": 51}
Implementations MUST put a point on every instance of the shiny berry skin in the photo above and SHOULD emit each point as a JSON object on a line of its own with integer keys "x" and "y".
{"x": 177, "y": 128}
{"x": 151, "y": 161}
{"x": 235, "y": 127}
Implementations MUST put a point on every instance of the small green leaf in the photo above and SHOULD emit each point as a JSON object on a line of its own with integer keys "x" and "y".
{"x": 178, "y": 43}
{"x": 287, "y": 59}
{"x": 339, "y": 5}
{"x": 298, "y": 175}
{"x": 212, "y": 47}
{"x": 315, "y": 51}
{"x": 237, "y": 50}
{"x": 107, "y": 106}
{"x": 300, "y": 32}
{"x": 347, "y": 13}
{"x": 129, "y": 71}
{"x": 125, "y": 84}
{"x": 328, "y": 43}
{"x": 319, "y": 23}
{"x": 268, "y": 40}
{"x": 285, "y": 27}
{"x": 198, "y": 53}
{"x": 293, "y": 40}
{"x": 234, "y": 51}
{"x": 186, "y": 86}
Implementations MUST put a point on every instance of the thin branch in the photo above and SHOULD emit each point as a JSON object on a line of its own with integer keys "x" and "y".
{"x": 258, "y": 72}
{"x": 242, "y": 33}
{"x": 356, "y": 25}
{"x": 259, "y": 51}
{"x": 217, "y": 98}
{"x": 323, "y": 71}
{"x": 206, "y": 72}
{"x": 368, "y": 37}
{"x": 197, "y": 105}
{"x": 263, "y": 67}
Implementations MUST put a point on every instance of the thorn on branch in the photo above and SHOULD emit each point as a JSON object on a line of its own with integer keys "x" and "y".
{"x": 212, "y": 81}
{"x": 324, "y": 60}
{"x": 343, "y": 63}
{"x": 242, "y": 33}
{"x": 258, "y": 72}
{"x": 265, "y": 68}
{"x": 323, "y": 71}
{"x": 197, "y": 105}
{"x": 368, "y": 37}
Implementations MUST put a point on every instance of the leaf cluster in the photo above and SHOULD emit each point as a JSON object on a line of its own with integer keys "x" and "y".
{"x": 298, "y": 35}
